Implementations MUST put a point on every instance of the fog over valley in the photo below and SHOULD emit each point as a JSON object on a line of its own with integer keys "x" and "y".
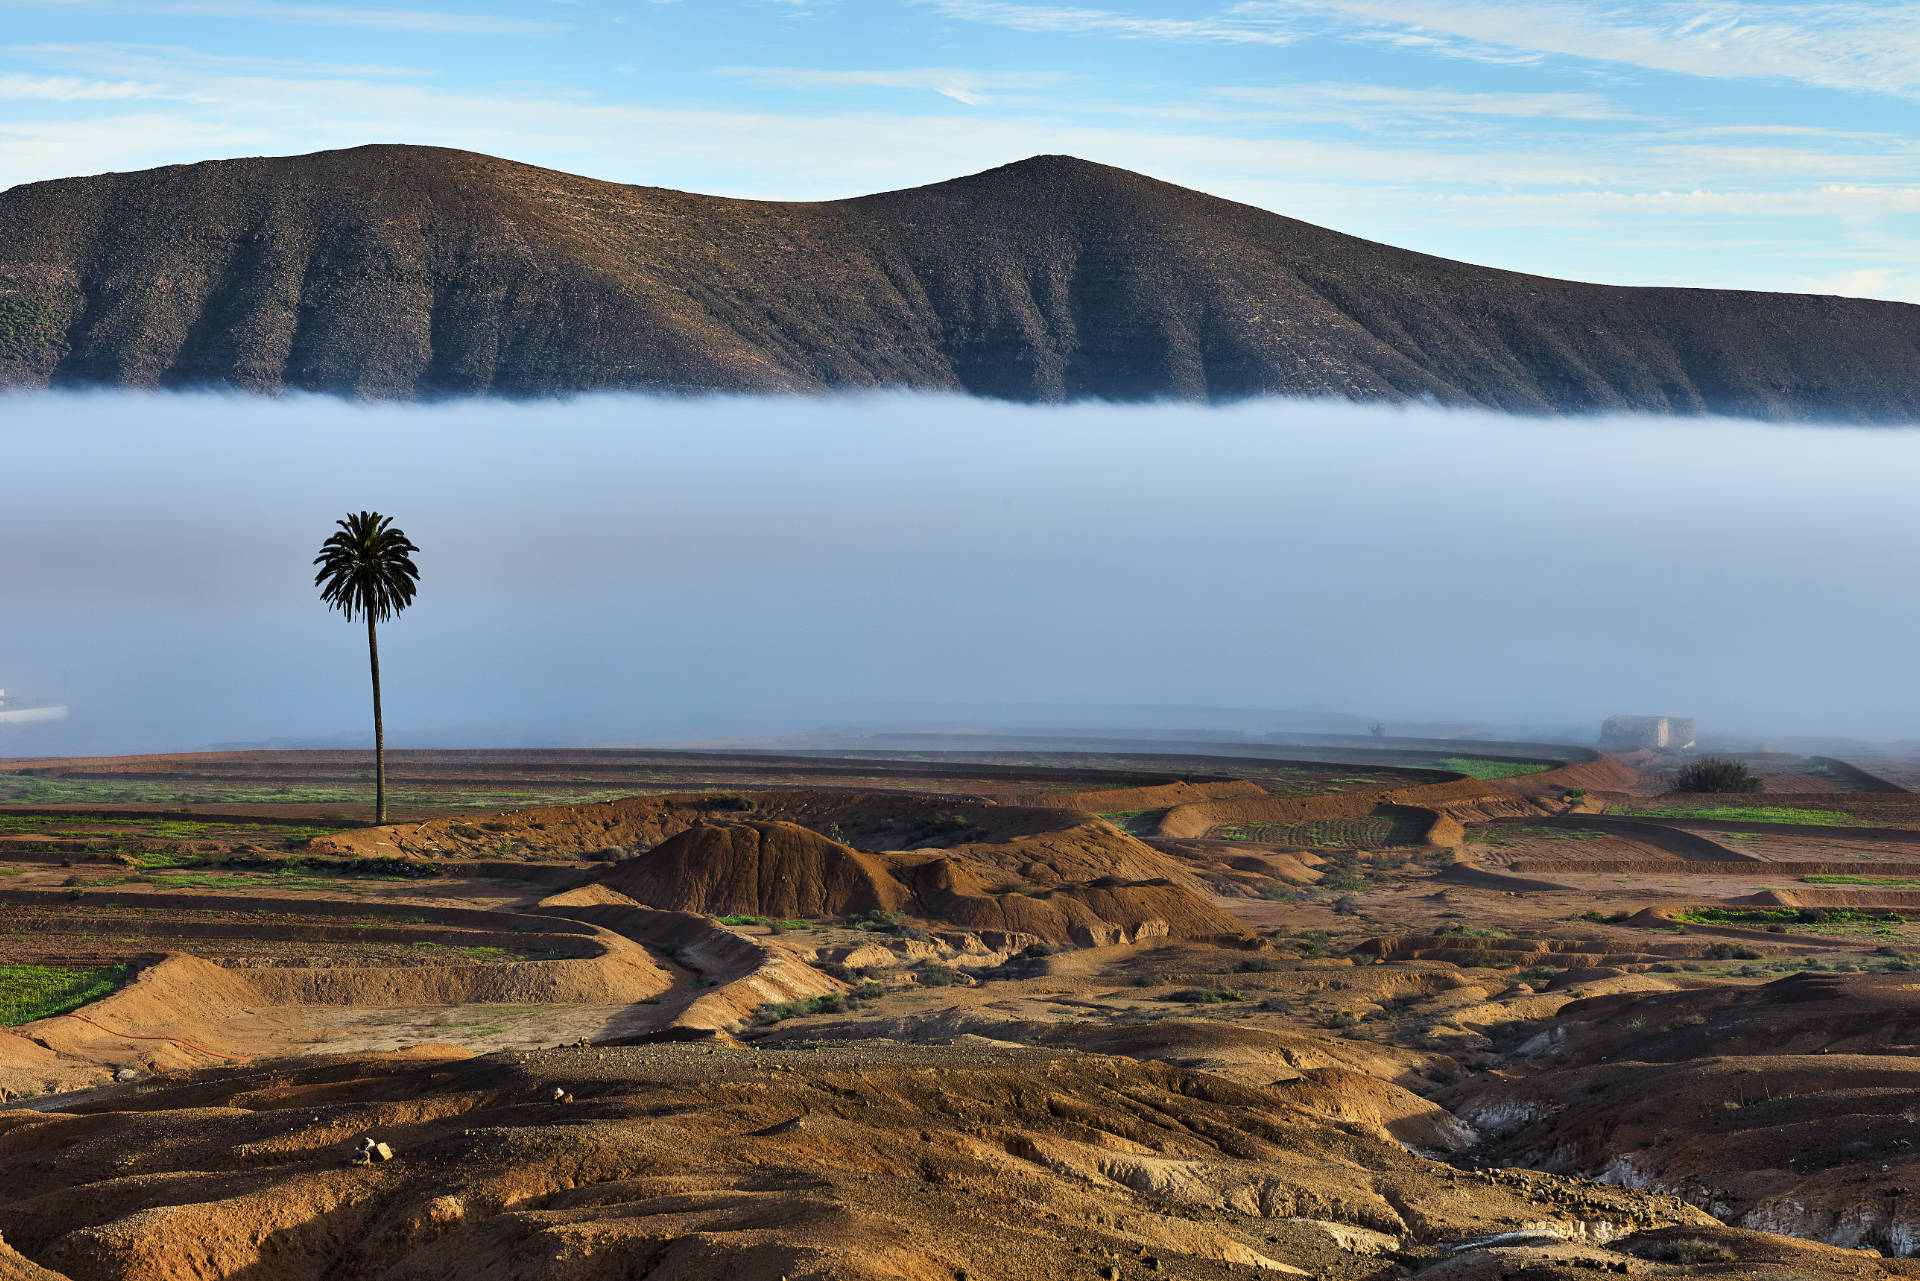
{"x": 632, "y": 569}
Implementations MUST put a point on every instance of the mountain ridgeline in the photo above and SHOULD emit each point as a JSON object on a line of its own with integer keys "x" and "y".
{"x": 393, "y": 271}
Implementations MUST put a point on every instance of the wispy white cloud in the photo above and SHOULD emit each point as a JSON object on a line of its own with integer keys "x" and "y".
{"x": 278, "y": 12}
{"x": 67, "y": 89}
{"x": 1225, "y": 28}
{"x": 155, "y": 60}
{"x": 1856, "y": 46}
{"x": 970, "y": 87}
{"x": 1864, "y": 45}
{"x": 1379, "y": 103}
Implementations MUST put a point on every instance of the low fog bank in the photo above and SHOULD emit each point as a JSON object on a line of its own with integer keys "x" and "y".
{"x": 626, "y": 569}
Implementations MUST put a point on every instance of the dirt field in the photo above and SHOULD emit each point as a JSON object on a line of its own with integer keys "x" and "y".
{"x": 1014, "y": 1015}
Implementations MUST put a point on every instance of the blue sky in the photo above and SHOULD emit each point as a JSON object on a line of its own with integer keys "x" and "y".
{"x": 1767, "y": 145}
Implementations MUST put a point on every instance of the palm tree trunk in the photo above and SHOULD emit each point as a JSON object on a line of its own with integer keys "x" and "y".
{"x": 379, "y": 734}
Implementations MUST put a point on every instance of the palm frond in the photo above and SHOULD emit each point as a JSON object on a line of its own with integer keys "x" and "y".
{"x": 366, "y": 568}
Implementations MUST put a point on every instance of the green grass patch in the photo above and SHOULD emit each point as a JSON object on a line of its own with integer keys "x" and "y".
{"x": 1761, "y": 814}
{"x": 1787, "y": 916}
{"x": 1484, "y": 768}
{"x": 29, "y": 992}
{"x": 1884, "y": 882}
{"x": 834, "y": 1003}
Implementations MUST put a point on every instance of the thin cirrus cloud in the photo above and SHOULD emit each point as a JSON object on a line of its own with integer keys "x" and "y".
{"x": 1388, "y": 102}
{"x": 1231, "y": 27}
{"x": 969, "y": 87}
{"x": 1873, "y": 47}
{"x": 333, "y": 16}
{"x": 1870, "y": 47}
{"x": 23, "y": 88}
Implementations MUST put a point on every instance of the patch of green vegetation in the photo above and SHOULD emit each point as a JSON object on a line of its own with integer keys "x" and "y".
{"x": 1712, "y": 774}
{"x": 29, "y": 992}
{"x": 1840, "y": 878}
{"x": 1761, "y": 814}
{"x": 291, "y": 877}
{"x": 31, "y": 329}
{"x": 1467, "y": 931}
{"x": 741, "y": 920}
{"x": 1207, "y": 995}
{"x": 1134, "y": 822}
{"x": 1787, "y": 916}
{"x": 878, "y": 919}
{"x": 834, "y": 1003}
{"x": 1483, "y": 768}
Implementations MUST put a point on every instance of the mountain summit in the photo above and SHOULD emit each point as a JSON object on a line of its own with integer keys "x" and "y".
{"x": 398, "y": 271}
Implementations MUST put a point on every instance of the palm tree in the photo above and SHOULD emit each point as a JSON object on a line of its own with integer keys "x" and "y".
{"x": 366, "y": 567}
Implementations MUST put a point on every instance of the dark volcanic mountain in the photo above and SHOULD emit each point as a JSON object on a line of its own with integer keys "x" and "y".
{"x": 407, "y": 271}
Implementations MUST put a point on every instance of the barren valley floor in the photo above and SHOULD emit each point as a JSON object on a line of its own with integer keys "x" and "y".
{"x": 1130, "y": 1010}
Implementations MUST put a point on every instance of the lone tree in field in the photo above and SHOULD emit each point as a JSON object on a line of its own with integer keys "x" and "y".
{"x": 366, "y": 568}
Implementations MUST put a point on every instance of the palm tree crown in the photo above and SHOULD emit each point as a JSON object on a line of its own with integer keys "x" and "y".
{"x": 366, "y": 567}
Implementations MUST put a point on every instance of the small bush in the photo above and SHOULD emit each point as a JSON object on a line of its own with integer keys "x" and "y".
{"x": 835, "y": 1003}
{"x": 1713, "y": 774}
{"x": 938, "y": 976}
{"x": 1207, "y": 995}
{"x": 1686, "y": 1251}
{"x": 1260, "y": 965}
{"x": 877, "y": 919}
{"x": 1733, "y": 952}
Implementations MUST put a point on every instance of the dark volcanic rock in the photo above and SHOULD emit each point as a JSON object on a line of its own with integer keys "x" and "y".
{"x": 407, "y": 271}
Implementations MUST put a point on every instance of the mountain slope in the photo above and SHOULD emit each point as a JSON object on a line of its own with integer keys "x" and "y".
{"x": 403, "y": 271}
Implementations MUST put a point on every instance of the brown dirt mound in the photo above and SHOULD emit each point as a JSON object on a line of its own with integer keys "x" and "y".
{"x": 783, "y": 870}
{"x": 1110, "y": 910}
{"x": 859, "y": 1163}
{"x": 1054, "y": 877}
{"x": 757, "y": 869}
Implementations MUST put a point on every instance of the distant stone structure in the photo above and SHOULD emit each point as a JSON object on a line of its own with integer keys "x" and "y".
{"x": 1633, "y": 733}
